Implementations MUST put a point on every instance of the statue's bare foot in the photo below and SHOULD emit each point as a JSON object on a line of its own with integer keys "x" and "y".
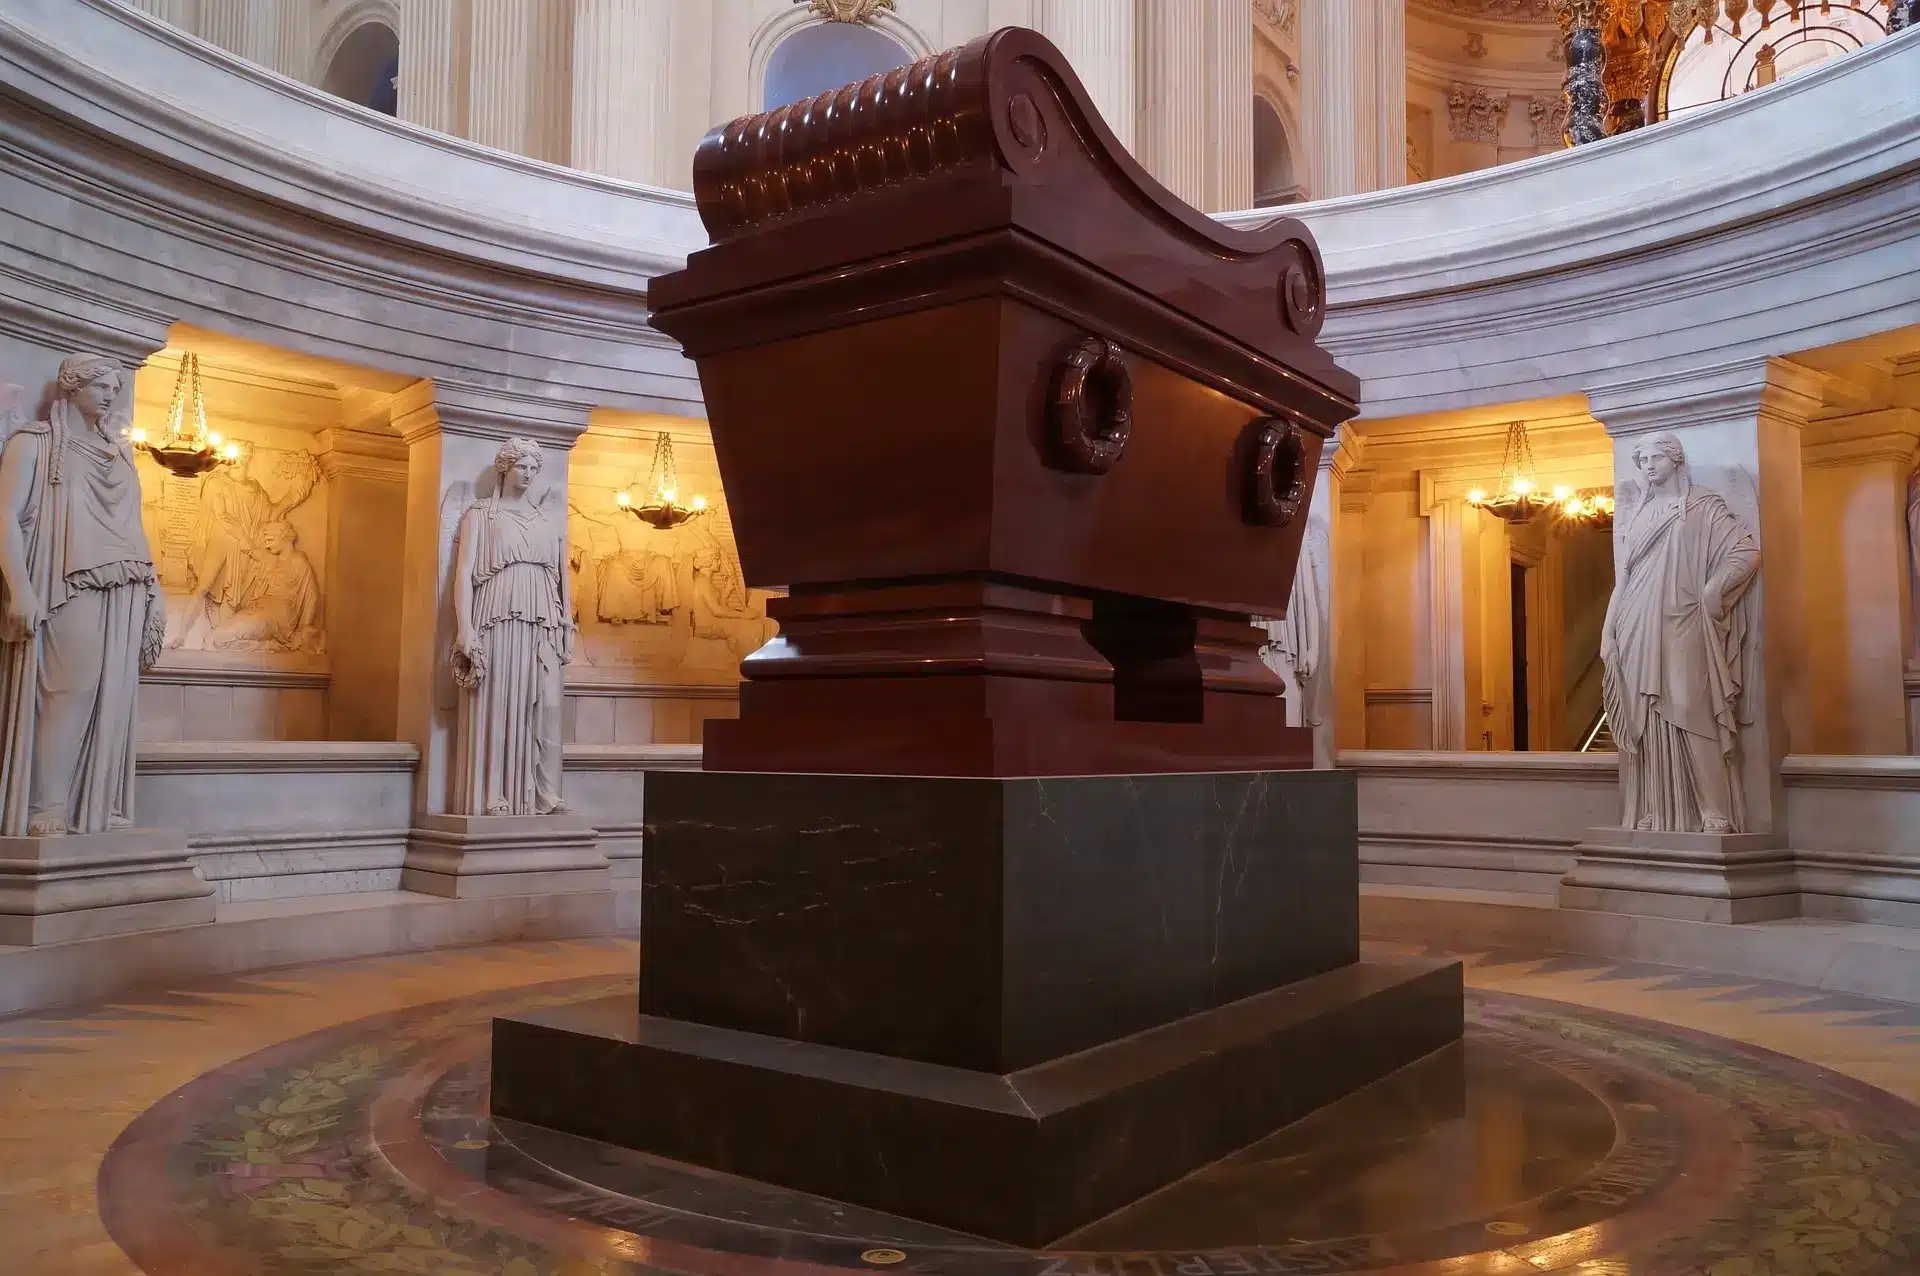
{"x": 47, "y": 824}
{"x": 1714, "y": 824}
{"x": 1645, "y": 824}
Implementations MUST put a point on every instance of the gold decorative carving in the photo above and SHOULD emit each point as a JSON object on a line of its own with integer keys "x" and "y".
{"x": 1282, "y": 14}
{"x": 848, "y": 10}
{"x": 1497, "y": 10}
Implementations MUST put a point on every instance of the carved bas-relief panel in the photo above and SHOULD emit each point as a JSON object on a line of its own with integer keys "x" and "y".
{"x": 237, "y": 573}
{"x": 241, "y": 557}
{"x": 665, "y": 616}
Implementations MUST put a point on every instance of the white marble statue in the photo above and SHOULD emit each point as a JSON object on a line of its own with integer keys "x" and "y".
{"x": 513, "y": 634}
{"x": 1297, "y": 642}
{"x": 82, "y": 610}
{"x": 1677, "y": 648}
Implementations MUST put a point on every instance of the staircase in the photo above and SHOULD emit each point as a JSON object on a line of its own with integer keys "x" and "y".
{"x": 1599, "y": 736}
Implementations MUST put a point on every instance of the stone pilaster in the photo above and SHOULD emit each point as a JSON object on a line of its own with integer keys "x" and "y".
{"x": 622, "y": 74}
{"x": 1857, "y": 468}
{"x": 1176, "y": 96}
{"x": 452, "y": 433}
{"x": 1098, "y": 37}
{"x": 366, "y": 472}
{"x": 516, "y": 82}
{"x": 1354, "y": 95}
{"x": 1740, "y": 427}
{"x": 434, "y": 43}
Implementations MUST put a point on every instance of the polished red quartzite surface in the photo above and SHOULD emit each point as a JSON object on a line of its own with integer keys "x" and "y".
{"x": 1027, "y": 439}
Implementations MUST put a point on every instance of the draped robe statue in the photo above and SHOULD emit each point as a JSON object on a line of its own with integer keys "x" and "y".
{"x": 1294, "y": 650}
{"x": 82, "y": 612}
{"x": 513, "y": 618}
{"x": 1676, "y": 651}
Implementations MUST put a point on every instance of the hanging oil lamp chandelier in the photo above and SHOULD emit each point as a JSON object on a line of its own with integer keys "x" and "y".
{"x": 187, "y": 448}
{"x": 1517, "y": 497}
{"x": 1589, "y": 507}
{"x": 660, "y": 506}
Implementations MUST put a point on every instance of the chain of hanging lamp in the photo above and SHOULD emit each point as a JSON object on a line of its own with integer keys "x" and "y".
{"x": 1610, "y": 47}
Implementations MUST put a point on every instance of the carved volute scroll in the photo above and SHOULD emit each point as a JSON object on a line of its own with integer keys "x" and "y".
{"x": 1277, "y": 477}
{"x": 1091, "y": 410}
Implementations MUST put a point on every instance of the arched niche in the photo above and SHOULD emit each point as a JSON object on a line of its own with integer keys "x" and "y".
{"x": 364, "y": 68}
{"x": 824, "y": 56}
{"x": 1275, "y": 179}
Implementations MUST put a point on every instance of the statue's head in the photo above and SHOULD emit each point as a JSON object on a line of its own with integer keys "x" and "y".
{"x": 1659, "y": 457}
{"x": 515, "y": 464}
{"x": 242, "y": 457}
{"x": 278, "y": 537}
{"x": 91, "y": 382}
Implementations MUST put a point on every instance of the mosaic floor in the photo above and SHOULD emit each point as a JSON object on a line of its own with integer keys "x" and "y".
{"x": 1601, "y": 1119}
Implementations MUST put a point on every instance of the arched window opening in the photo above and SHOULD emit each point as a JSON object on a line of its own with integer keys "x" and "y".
{"x": 1274, "y": 181}
{"x": 826, "y": 56}
{"x": 1723, "y": 59}
{"x": 366, "y": 67}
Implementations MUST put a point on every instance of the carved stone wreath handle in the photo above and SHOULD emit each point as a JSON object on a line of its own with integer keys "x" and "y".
{"x": 1090, "y": 413}
{"x": 1276, "y": 475}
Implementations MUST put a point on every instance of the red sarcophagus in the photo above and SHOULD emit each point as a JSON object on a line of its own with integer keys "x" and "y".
{"x": 1027, "y": 440}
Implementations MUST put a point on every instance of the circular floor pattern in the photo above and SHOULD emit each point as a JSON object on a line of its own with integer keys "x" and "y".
{"x": 1555, "y": 1140}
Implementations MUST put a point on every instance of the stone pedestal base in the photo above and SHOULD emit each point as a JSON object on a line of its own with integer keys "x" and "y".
{"x": 86, "y": 885}
{"x": 474, "y": 856}
{"x": 1704, "y": 877}
{"x": 1006, "y": 1006}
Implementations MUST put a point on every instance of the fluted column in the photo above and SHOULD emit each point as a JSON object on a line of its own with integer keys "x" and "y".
{"x": 1354, "y": 91}
{"x": 433, "y": 64}
{"x": 224, "y": 23}
{"x": 516, "y": 85}
{"x": 1176, "y": 96}
{"x": 184, "y": 14}
{"x": 621, "y": 123}
{"x": 1390, "y": 83}
{"x": 1098, "y": 38}
{"x": 1230, "y": 84}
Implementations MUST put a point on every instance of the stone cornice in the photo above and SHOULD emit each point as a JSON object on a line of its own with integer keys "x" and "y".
{"x": 429, "y": 407}
{"x": 253, "y": 757}
{"x": 1585, "y": 768}
{"x": 189, "y": 102}
{"x": 1741, "y": 391}
{"x": 1885, "y": 435}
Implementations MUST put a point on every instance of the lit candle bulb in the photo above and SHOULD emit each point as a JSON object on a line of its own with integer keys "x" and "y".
{"x": 1476, "y": 497}
{"x": 622, "y": 499}
{"x": 699, "y": 502}
{"x": 137, "y": 434}
{"x": 213, "y": 437}
{"x": 1562, "y": 492}
{"x": 667, "y": 495}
